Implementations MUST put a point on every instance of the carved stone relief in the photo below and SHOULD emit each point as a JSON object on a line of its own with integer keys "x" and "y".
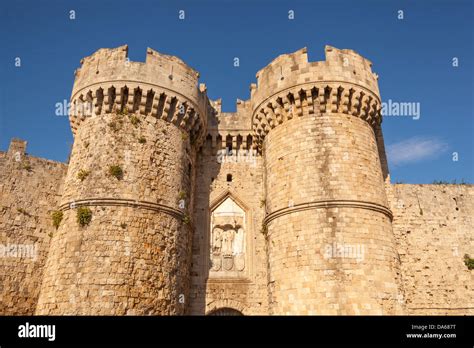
{"x": 227, "y": 249}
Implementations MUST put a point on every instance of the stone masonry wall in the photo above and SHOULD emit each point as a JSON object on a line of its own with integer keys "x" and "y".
{"x": 30, "y": 189}
{"x": 248, "y": 292}
{"x": 325, "y": 192}
{"x": 433, "y": 226}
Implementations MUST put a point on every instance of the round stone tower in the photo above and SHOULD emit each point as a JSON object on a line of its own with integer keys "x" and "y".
{"x": 123, "y": 245}
{"x": 331, "y": 248}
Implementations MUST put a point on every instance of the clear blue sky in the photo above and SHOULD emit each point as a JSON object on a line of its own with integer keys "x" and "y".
{"x": 413, "y": 58}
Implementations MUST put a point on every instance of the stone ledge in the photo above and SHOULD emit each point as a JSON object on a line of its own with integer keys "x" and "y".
{"x": 124, "y": 203}
{"x": 328, "y": 204}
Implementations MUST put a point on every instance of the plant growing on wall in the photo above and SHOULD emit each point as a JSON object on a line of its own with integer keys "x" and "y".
{"x": 116, "y": 171}
{"x": 82, "y": 174}
{"x": 122, "y": 112}
{"x": 57, "y": 217}
{"x": 84, "y": 216}
{"x": 134, "y": 120}
{"x": 23, "y": 211}
{"x": 186, "y": 219}
{"x": 264, "y": 230}
{"x": 27, "y": 166}
{"x": 469, "y": 262}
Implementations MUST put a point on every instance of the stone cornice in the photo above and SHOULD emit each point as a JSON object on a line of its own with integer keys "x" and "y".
{"x": 328, "y": 204}
{"x": 118, "y": 202}
{"x": 141, "y": 99}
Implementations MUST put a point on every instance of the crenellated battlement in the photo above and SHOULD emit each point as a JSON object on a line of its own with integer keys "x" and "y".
{"x": 290, "y": 86}
{"x": 17, "y": 147}
{"x": 293, "y": 69}
{"x": 231, "y": 130}
{"x": 241, "y": 119}
{"x": 164, "y": 87}
{"x": 113, "y": 64}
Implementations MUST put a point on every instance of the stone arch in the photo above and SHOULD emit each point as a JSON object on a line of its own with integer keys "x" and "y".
{"x": 223, "y": 196}
{"x": 225, "y": 311}
{"x": 227, "y": 305}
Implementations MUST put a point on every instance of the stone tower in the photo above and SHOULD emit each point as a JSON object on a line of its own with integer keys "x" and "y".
{"x": 170, "y": 205}
{"x": 130, "y": 180}
{"x": 331, "y": 249}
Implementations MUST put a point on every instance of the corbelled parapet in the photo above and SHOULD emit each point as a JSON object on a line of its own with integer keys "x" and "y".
{"x": 290, "y": 86}
{"x": 231, "y": 130}
{"x": 164, "y": 87}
